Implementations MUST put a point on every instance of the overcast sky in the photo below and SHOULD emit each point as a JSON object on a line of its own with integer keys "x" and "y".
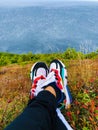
{"x": 32, "y": 2}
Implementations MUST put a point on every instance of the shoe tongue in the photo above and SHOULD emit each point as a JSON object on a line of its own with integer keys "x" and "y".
{"x": 41, "y": 71}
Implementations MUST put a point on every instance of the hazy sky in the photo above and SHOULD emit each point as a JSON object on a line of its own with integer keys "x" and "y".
{"x": 32, "y": 2}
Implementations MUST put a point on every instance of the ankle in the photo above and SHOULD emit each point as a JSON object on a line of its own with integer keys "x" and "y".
{"x": 51, "y": 90}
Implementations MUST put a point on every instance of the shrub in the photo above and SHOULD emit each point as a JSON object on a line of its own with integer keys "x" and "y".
{"x": 71, "y": 53}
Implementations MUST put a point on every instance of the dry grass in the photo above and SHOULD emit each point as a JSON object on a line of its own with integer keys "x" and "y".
{"x": 83, "y": 81}
{"x": 14, "y": 90}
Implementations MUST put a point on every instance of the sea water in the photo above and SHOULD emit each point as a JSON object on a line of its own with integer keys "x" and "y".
{"x": 49, "y": 28}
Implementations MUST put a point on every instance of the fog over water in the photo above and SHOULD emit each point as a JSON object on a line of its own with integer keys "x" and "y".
{"x": 49, "y": 28}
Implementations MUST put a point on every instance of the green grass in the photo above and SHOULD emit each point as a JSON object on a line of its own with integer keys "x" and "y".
{"x": 70, "y": 53}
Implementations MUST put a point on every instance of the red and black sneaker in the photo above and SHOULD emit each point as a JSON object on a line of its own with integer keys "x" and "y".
{"x": 38, "y": 74}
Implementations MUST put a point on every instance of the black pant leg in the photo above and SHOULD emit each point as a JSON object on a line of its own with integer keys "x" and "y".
{"x": 59, "y": 124}
{"x": 38, "y": 115}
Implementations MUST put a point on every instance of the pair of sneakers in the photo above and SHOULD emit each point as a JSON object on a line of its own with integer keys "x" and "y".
{"x": 42, "y": 76}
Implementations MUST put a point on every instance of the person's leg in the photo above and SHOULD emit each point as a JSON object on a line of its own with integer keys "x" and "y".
{"x": 59, "y": 66}
{"x": 38, "y": 115}
{"x": 32, "y": 117}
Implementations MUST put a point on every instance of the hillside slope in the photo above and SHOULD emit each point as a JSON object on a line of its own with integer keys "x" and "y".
{"x": 83, "y": 82}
